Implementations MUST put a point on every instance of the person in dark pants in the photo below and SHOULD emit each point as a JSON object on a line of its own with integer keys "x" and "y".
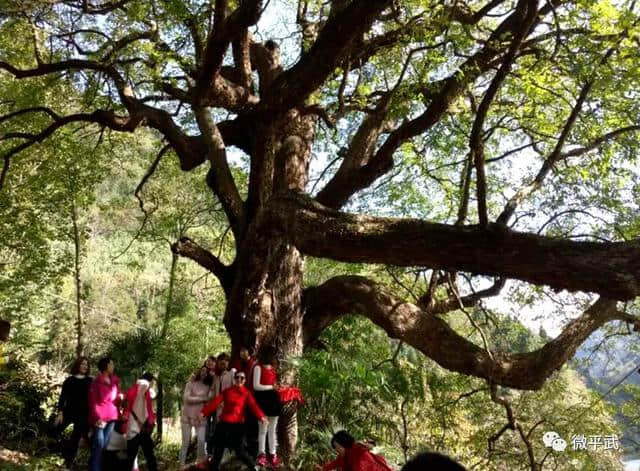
{"x": 104, "y": 399}
{"x": 245, "y": 362}
{"x": 140, "y": 421}
{"x": 73, "y": 408}
{"x": 230, "y": 429}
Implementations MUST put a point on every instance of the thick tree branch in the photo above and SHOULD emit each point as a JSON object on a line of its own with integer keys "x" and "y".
{"x": 219, "y": 178}
{"x": 610, "y": 269}
{"x": 71, "y": 64}
{"x": 331, "y": 47}
{"x": 265, "y": 59}
{"x": 225, "y": 31}
{"x": 185, "y": 247}
{"x": 102, "y": 117}
{"x": 462, "y": 13}
{"x": 242, "y": 58}
{"x": 432, "y": 335}
{"x": 189, "y": 149}
{"x": 360, "y": 150}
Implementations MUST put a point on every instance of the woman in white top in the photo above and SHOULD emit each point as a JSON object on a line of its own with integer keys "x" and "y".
{"x": 196, "y": 393}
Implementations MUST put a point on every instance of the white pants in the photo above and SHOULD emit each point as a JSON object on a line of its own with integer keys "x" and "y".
{"x": 270, "y": 429}
{"x": 186, "y": 440}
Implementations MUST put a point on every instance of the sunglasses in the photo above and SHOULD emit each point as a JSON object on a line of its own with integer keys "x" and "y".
{"x": 239, "y": 377}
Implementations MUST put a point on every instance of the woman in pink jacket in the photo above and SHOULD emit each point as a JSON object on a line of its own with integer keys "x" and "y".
{"x": 104, "y": 398}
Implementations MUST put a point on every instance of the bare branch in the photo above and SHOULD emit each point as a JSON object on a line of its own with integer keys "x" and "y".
{"x": 35, "y": 109}
{"x": 145, "y": 178}
{"x": 470, "y": 300}
{"x": 527, "y": 12}
{"x": 105, "y": 118}
{"x": 600, "y": 141}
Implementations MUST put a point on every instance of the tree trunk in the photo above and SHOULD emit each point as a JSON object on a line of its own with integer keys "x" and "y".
{"x": 169, "y": 306}
{"x": 77, "y": 239}
{"x": 265, "y": 310}
{"x": 265, "y": 304}
{"x": 160, "y": 412}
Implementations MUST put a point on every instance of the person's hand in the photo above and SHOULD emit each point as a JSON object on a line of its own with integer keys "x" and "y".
{"x": 121, "y": 396}
{"x": 264, "y": 420}
{"x": 101, "y": 424}
{"x": 317, "y": 468}
{"x": 277, "y": 386}
{"x": 59, "y": 419}
{"x": 202, "y": 416}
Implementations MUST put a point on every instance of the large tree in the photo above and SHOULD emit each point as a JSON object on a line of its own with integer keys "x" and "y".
{"x": 474, "y": 107}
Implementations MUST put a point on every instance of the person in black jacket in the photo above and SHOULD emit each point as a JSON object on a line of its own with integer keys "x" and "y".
{"x": 73, "y": 408}
{"x": 432, "y": 461}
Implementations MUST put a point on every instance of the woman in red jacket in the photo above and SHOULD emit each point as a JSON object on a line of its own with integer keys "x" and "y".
{"x": 140, "y": 421}
{"x": 353, "y": 456}
{"x": 230, "y": 428}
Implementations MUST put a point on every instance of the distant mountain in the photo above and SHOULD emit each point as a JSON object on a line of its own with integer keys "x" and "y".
{"x": 602, "y": 365}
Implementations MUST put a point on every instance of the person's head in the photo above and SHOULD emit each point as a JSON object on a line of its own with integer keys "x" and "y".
{"x": 245, "y": 353}
{"x": 223, "y": 361}
{"x": 432, "y": 461}
{"x": 149, "y": 377}
{"x": 239, "y": 378}
{"x": 5, "y": 328}
{"x": 342, "y": 441}
{"x": 201, "y": 373}
{"x": 267, "y": 355}
{"x": 210, "y": 362}
{"x": 105, "y": 365}
{"x": 80, "y": 366}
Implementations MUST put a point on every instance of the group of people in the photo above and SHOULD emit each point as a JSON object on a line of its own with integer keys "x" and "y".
{"x": 230, "y": 404}
{"x": 94, "y": 406}
{"x": 233, "y": 405}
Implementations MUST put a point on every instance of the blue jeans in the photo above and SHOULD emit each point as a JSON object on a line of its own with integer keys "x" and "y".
{"x": 98, "y": 444}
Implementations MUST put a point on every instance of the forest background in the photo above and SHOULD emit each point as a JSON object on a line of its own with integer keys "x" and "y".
{"x": 86, "y": 235}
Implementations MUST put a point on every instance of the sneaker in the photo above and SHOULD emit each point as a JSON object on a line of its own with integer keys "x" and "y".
{"x": 275, "y": 461}
{"x": 262, "y": 460}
